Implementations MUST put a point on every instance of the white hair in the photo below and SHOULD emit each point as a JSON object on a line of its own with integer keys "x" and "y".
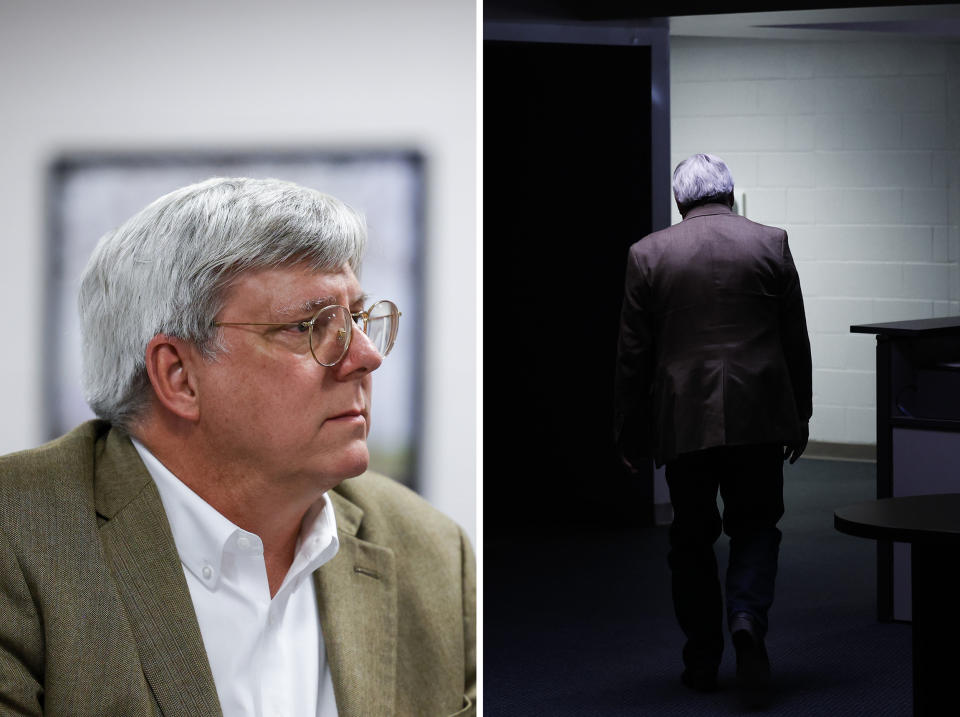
{"x": 166, "y": 269}
{"x": 701, "y": 179}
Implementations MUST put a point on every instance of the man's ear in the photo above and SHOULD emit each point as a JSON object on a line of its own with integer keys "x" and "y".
{"x": 170, "y": 366}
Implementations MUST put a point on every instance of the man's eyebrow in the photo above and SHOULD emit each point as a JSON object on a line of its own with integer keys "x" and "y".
{"x": 362, "y": 300}
{"x": 310, "y": 306}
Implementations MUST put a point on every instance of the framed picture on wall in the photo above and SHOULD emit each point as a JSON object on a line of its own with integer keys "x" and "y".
{"x": 90, "y": 194}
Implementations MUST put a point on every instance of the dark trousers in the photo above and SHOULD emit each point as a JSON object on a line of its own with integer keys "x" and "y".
{"x": 750, "y": 480}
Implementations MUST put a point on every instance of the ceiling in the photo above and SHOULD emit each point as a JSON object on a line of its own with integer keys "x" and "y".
{"x": 921, "y": 21}
{"x": 797, "y": 20}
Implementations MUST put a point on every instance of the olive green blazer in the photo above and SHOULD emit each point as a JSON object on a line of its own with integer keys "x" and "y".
{"x": 96, "y": 616}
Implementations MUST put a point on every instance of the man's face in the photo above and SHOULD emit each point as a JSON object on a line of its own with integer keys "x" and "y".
{"x": 265, "y": 405}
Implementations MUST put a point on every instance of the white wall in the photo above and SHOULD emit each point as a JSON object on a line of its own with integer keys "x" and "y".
{"x": 115, "y": 74}
{"x": 852, "y": 147}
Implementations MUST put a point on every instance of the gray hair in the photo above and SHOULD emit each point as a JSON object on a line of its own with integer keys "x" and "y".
{"x": 702, "y": 179}
{"x": 167, "y": 268}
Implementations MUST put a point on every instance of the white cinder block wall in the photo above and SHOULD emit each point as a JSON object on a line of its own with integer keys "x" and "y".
{"x": 852, "y": 147}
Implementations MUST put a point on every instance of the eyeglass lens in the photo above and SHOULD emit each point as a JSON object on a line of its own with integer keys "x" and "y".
{"x": 382, "y": 325}
{"x": 330, "y": 335}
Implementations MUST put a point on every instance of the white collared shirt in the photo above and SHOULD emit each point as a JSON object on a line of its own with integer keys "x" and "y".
{"x": 267, "y": 655}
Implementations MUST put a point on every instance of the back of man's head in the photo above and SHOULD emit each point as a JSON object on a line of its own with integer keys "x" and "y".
{"x": 702, "y": 179}
{"x": 166, "y": 270}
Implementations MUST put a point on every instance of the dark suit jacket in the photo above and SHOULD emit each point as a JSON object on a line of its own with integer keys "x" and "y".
{"x": 96, "y": 616}
{"x": 713, "y": 346}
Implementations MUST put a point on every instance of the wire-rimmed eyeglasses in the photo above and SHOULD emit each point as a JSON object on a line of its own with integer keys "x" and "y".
{"x": 331, "y": 329}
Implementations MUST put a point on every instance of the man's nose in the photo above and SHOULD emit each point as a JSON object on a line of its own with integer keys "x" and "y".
{"x": 362, "y": 355}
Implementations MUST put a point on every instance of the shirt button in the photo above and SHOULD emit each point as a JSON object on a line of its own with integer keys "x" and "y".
{"x": 243, "y": 542}
{"x": 207, "y": 572}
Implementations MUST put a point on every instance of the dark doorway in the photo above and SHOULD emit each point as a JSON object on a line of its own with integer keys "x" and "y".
{"x": 567, "y": 147}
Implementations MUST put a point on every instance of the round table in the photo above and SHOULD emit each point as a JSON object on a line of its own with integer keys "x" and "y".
{"x": 931, "y": 524}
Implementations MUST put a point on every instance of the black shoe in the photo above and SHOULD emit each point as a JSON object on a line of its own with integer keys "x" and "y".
{"x": 753, "y": 665}
{"x": 701, "y": 679}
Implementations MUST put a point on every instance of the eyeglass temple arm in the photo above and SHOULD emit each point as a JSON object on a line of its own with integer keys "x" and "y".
{"x": 364, "y": 314}
{"x": 258, "y": 323}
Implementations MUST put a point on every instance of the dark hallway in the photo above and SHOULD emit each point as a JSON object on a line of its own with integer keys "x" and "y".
{"x": 580, "y": 622}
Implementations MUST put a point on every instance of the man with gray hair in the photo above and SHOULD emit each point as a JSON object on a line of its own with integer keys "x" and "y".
{"x": 714, "y": 381}
{"x": 198, "y": 549}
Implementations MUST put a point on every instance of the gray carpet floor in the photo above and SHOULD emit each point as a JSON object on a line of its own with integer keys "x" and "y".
{"x": 582, "y": 623}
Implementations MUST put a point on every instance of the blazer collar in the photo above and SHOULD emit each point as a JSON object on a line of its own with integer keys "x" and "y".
{"x": 142, "y": 556}
{"x": 357, "y": 602}
{"x": 705, "y": 209}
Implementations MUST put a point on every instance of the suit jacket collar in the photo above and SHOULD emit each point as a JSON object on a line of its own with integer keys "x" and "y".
{"x": 357, "y": 601}
{"x": 356, "y": 595}
{"x": 705, "y": 209}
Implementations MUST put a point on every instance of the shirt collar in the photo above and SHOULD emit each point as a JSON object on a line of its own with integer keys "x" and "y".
{"x": 708, "y": 208}
{"x": 203, "y": 535}
{"x": 318, "y": 541}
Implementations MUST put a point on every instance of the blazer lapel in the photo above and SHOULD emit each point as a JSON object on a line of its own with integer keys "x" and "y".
{"x": 357, "y": 602}
{"x": 146, "y": 567}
